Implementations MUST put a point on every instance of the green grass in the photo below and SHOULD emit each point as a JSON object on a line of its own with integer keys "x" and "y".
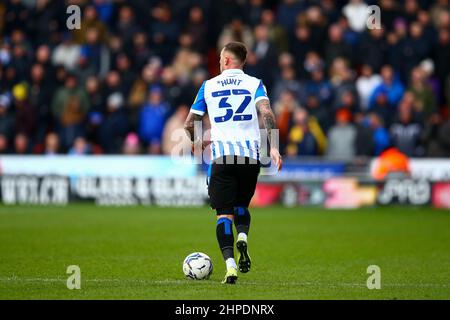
{"x": 298, "y": 253}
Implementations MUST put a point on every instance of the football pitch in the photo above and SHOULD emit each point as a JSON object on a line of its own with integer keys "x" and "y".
{"x": 298, "y": 253}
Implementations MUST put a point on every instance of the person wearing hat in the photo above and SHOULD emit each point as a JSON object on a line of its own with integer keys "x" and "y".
{"x": 342, "y": 137}
{"x": 25, "y": 114}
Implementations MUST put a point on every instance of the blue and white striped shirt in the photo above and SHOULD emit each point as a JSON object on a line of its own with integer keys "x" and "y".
{"x": 230, "y": 100}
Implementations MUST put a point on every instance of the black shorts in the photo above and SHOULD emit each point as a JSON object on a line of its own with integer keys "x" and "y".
{"x": 232, "y": 182}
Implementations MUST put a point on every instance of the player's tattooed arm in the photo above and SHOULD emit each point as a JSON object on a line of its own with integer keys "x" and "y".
{"x": 189, "y": 125}
{"x": 268, "y": 117}
{"x": 270, "y": 123}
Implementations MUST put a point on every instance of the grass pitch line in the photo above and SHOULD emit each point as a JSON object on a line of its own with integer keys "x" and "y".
{"x": 265, "y": 283}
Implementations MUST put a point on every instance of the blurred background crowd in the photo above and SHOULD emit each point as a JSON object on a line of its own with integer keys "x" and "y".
{"x": 125, "y": 81}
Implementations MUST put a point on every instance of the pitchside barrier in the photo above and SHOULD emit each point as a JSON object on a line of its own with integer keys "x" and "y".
{"x": 161, "y": 181}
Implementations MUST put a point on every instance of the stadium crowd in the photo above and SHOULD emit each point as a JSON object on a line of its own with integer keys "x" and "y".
{"x": 125, "y": 80}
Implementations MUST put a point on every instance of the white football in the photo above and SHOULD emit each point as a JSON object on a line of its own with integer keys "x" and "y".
{"x": 197, "y": 266}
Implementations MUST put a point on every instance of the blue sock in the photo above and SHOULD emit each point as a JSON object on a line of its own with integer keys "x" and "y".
{"x": 224, "y": 231}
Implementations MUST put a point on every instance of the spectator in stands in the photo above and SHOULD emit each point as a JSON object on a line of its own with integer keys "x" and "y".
{"x": 127, "y": 48}
{"x": 284, "y": 108}
{"x": 434, "y": 141}
{"x": 389, "y": 85}
{"x": 152, "y": 119}
{"x": 265, "y": 53}
{"x": 432, "y": 80}
{"x": 319, "y": 111}
{"x": 140, "y": 51}
{"x": 416, "y": 47}
{"x": 380, "y": 136}
{"x": 104, "y": 10}
{"x": 93, "y": 124}
{"x": 410, "y": 99}
{"x": 289, "y": 82}
{"x": 253, "y": 10}
{"x": 422, "y": 92}
{"x": 287, "y": 13}
{"x": 236, "y": 31}
{"x": 366, "y": 84}
{"x": 127, "y": 75}
{"x": 406, "y": 133}
{"x": 89, "y": 23}
{"x": 164, "y": 31}
{"x": 6, "y": 121}
{"x": 356, "y": 13}
{"x": 391, "y": 10}
{"x": 51, "y": 144}
{"x": 410, "y": 10}
{"x": 197, "y": 29}
{"x": 139, "y": 90}
{"x": 20, "y": 59}
{"x": 300, "y": 46}
{"x": 190, "y": 89}
{"x": 67, "y": 53}
{"x": 306, "y": 138}
{"x": 351, "y": 37}
{"x": 364, "y": 142}
{"x": 80, "y": 147}
{"x": 70, "y": 91}
{"x": 94, "y": 55}
{"x": 429, "y": 32}
{"x": 71, "y": 122}
{"x": 348, "y": 101}
{"x": 4, "y": 144}
{"x": 330, "y": 10}
{"x": 173, "y": 91}
{"x": 319, "y": 87}
{"x": 342, "y": 137}
{"x": 372, "y": 48}
{"x": 184, "y": 63}
{"x": 43, "y": 57}
{"x": 447, "y": 91}
{"x": 276, "y": 32}
{"x": 174, "y": 140}
{"x": 342, "y": 81}
{"x": 382, "y": 107}
{"x": 113, "y": 83}
{"x": 25, "y": 114}
{"x": 315, "y": 20}
{"x": 335, "y": 46}
{"x": 131, "y": 145}
{"x": 114, "y": 126}
{"x": 444, "y": 138}
{"x": 312, "y": 62}
{"x": 436, "y": 10}
{"x": 69, "y": 108}
{"x": 21, "y": 144}
{"x": 41, "y": 90}
{"x": 396, "y": 41}
{"x": 126, "y": 26}
{"x": 93, "y": 90}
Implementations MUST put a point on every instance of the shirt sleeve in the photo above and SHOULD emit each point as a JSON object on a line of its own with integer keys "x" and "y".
{"x": 199, "y": 105}
{"x": 261, "y": 92}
